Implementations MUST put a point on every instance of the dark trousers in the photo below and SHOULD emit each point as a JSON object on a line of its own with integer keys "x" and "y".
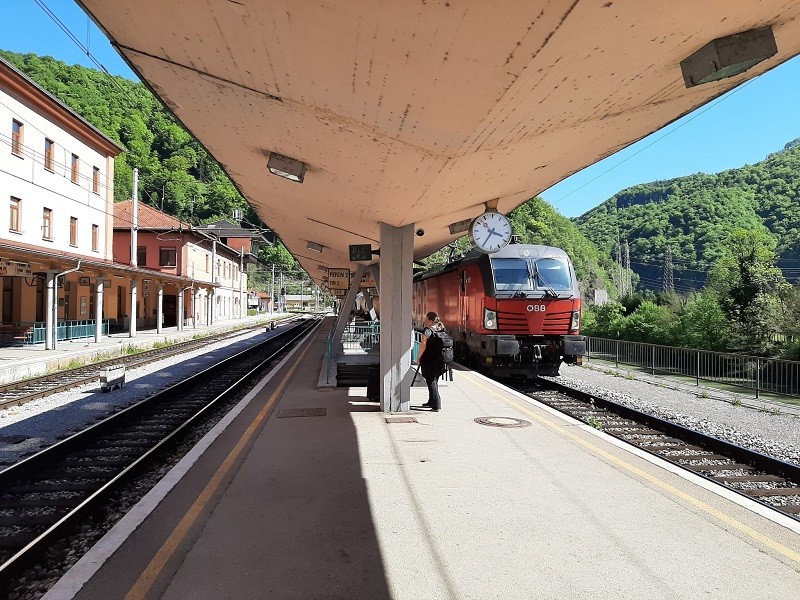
{"x": 433, "y": 392}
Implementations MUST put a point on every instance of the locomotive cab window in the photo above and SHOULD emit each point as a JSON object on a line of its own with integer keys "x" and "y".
{"x": 511, "y": 274}
{"x": 552, "y": 273}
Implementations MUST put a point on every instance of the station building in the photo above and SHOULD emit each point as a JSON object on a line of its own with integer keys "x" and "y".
{"x": 217, "y": 272}
{"x": 64, "y": 275}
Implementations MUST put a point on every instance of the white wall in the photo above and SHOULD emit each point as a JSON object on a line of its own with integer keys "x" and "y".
{"x": 27, "y": 179}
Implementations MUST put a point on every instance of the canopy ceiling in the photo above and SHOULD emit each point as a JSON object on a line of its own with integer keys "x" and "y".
{"x": 421, "y": 111}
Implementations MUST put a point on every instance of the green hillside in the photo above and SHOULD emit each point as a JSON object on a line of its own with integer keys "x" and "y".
{"x": 694, "y": 217}
{"x": 175, "y": 173}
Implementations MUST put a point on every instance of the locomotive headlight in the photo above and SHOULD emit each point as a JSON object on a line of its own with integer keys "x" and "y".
{"x": 489, "y": 319}
{"x": 576, "y": 320}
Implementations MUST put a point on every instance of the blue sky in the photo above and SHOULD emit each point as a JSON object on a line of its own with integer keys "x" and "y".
{"x": 742, "y": 127}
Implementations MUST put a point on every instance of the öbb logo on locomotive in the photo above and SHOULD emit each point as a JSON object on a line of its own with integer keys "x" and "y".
{"x": 536, "y": 308}
{"x": 515, "y": 312}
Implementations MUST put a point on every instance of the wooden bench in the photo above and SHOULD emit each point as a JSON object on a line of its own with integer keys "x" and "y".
{"x": 16, "y": 333}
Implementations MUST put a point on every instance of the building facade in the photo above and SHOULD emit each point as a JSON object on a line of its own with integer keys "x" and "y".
{"x": 216, "y": 272}
{"x": 59, "y": 278}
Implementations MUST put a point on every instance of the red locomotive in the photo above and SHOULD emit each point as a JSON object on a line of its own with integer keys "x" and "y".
{"x": 514, "y": 312}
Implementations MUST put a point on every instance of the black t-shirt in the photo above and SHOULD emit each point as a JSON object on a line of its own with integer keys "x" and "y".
{"x": 431, "y": 361}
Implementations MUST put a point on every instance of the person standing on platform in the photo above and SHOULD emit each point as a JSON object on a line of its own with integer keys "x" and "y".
{"x": 431, "y": 363}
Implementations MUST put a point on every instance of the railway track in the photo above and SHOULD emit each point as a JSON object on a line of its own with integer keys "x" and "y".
{"x": 48, "y": 496}
{"x": 765, "y": 479}
{"x": 20, "y": 392}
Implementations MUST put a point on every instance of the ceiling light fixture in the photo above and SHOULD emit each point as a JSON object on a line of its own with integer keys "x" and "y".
{"x": 314, "y": 246}
{"x": 322, "y": 268}
{"x": 459, "y": 226}
{"x": 288, "y": 168}
{"x": 728, "y": 56}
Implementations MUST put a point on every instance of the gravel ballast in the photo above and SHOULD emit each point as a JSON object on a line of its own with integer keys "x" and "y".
{"x": 765, "y": 427}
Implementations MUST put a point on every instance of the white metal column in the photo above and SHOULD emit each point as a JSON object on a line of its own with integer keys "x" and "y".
{"x": 50, "y": 312}
{"x": 160, "y": 309}
{"x": 180, "y": 324}
{"x": 134, "y": 311}
{"x": 98, "y": 310}
{"x": 397, "y": 254}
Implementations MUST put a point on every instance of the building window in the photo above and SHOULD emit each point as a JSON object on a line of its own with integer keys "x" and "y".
{"x": 96, "y": 180}
{"x": 95, "y": 237}
{"x": 73, "y": 231}
{"x": 47, "y": 224}
{"x": 16, "y": 137}
{"x": 168, "y": 257}
{"x": 76, "y": 163}
{"x": 207, "y": 264}
{"x": 13, "y": 222}
{"x": 49, "y": 151}
{"x": 141, "y": 256}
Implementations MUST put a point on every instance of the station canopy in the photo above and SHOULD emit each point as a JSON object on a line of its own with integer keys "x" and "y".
{"x": 423, "y": 111}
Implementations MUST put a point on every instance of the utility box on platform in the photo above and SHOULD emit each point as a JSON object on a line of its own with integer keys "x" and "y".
{"x": 112, "y": 377}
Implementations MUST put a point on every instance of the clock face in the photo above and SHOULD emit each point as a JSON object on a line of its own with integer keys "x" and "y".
{"x": 490, "y": 232}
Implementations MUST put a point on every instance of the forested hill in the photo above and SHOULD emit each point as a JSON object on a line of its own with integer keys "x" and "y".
{"x": 175, "y": 173}
{"x": 694, "y": 215}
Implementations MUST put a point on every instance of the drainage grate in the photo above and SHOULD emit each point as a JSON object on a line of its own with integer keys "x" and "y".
{"x": 502, "y": 422}
{"x": 302, "y": 412}
{"x": 400, "y": 419}
{"x": 13, "y": 439}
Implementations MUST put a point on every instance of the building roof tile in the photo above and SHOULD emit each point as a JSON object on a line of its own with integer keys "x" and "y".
{"x": 149, "y": 217}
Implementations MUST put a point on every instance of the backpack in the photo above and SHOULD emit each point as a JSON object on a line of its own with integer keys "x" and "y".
{"x": 441, "y": 344}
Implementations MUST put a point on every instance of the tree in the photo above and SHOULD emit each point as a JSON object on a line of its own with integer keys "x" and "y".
{"x": 703, "y": 324}
{"x": 749, "y": 287}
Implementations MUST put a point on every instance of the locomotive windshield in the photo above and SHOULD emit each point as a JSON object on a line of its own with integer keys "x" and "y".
{"x": 518, "y": 275}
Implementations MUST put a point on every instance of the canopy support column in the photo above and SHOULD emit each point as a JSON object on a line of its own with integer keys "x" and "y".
{"x": 395, "y": 285}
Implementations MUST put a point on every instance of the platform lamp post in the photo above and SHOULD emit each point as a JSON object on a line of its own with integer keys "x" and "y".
{"x": 55, "y": 302}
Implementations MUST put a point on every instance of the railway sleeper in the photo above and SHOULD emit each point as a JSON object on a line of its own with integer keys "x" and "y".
{"x": 98, "y": 461}
{"x": 749, "y": 479}
{"x": 25, "y": 520}
{"x": 16, "y": 541}
{"x": 786, "y": 491}
{"x": 73, "y": 473}
{"x": 696, "y": 457}
{"x": 34, "y": 502}
{"x": 54, "y": 487}
{"x": 715, "y": 468}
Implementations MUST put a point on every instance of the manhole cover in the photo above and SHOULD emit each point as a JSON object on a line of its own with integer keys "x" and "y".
{"x": 502, "y": 422}
{"x": 302, "y": 412}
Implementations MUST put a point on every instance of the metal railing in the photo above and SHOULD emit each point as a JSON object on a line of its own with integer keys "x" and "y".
{"x": 66, "y": 330}
{"x": 753, "y": 373}
{"x": 364, "y": 338}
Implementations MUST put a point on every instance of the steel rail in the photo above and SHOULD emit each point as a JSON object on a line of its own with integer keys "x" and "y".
{"x": 89, "y": 438}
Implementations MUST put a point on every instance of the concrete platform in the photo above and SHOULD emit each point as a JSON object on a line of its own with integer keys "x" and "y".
{"x": 353, "y": 504}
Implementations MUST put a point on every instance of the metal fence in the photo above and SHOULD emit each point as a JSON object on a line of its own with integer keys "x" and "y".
{"x": 361, "y": 337}
{"x": 749, "y": 372}
{"x": 66, "y": 330}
